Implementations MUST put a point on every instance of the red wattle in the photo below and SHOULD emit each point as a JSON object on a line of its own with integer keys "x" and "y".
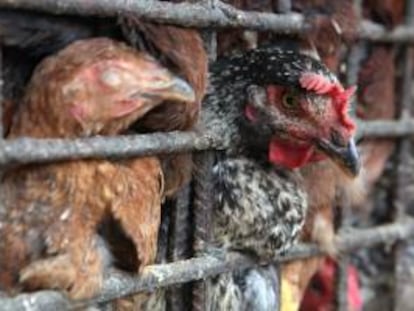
{"x": 322, "y": 297}
{"x": 290, "y": 155}
{"x": 250, "y": 113}
{"x": 354, "y": 291}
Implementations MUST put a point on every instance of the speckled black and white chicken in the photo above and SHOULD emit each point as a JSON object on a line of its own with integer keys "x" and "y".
{"x": 279, "y": 111}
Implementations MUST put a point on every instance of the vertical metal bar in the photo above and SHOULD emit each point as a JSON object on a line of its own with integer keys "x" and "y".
{"x": 179, "y": 247}
{"x": 283, "y": 6}
{"x": 402, "y": 264}
{"x": 1, "y": 94}
{"x": 202, "y": 206}
{"x": 203, "y": 183}
{"x": 341, "y": 275}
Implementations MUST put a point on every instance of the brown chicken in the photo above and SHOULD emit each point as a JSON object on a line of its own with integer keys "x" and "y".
{"x": 182, "y": 50}
{"x": 387, "y": 12}
{"x": 54, "y": 216}
{"x": 333, "y": 23}
{"x": 323, "y": 183}
{"x": 29, "y": 36}
{"x": 376, "y": 100}
{"x": 376, "y": 97}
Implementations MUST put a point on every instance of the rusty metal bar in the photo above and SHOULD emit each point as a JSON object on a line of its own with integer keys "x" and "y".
{"x": 341, "y": 272}
{"x": 201, "y": 16}
{"x": 118, "y": 284}
{"x": 202, "y": 207}
{"x": 284, "y": 6}
{"x": 185, "y": 14}
{"x": 179, "y": 245}
{"x": 30, "y": 150}
{"x": 374, "y": 32}
{"x": 26, "y": 150}
{"x": 1, "y": 92}
{"x": 203, "y": 188}
{"x": 402, "y": 266}
{"x": 385, "y": 128}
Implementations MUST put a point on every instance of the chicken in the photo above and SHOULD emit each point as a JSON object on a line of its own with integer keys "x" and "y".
{"x": 320, "y": 294}
{"x": 179, "y": 49}
{"x": 387, "y": 12}
{"x": 333, "y": 23}
{"x": 376, "y": 100}
{"x": 333, "y": 26}
{"x": 54, "y": 218}
{"x": 295, "y": 116}
{"x": 330, "y": 24}
{"x": 376, "y": 97}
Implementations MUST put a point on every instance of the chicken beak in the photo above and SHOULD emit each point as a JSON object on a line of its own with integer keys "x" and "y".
{"x": 175, "y": 89}
{"x": 346, "y": 157}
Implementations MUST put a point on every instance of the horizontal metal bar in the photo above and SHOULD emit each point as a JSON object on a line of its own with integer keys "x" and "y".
{"x": 385, "y": 128}
{"x": 375, "y": 32}
{"x": 118, "y": 284}
{"x": 30, "y": 150}
{"x": 185, "y": 14}
{"x": 202, "y": 16}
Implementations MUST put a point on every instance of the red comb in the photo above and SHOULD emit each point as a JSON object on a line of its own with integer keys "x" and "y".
{"x": 321, "y": 85}
{"x": 317, "y": 83}
{"x": 341, "y": 100}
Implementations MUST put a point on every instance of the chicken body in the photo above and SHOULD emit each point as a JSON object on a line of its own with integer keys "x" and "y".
{"x": 53, "y": 231}
{"x": 28, "y": 36}
{"x": 260, "y": 198}
{"x": 54, "y": 217}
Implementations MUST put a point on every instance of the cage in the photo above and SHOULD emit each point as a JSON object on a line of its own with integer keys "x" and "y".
{"x": 212, "y": 16}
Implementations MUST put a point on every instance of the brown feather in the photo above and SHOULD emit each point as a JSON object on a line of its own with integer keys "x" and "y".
{"x": 52, "y": 214}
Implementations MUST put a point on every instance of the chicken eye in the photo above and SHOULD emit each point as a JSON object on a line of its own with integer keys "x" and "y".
{"x": 111, "y": 78}
{"x": 290, "y": 101}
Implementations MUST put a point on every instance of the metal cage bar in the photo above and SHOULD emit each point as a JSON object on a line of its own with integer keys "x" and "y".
{"x": 401, "y": 266}
{"x": 201, "y": 16}
{"x": 202, "y": 204}
{"x": 31, "y": 150}
{"x": 119, "y": 284}
{"x": 341, "y": 274}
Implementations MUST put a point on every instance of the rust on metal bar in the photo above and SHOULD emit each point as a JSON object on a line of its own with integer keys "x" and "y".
{"x": 402, "y": 265}
{"x": 179, "y": 246}
{"x": 202, "y": 209}
{"x": 341, "y": 274}
{"x": 202, "y": 185}
{"x": 30, "y": 150}
{"x": 185, "y": 14}
{"x": 201, "y": 16}
{"x": 385, "y": 128}
{"x": 1, "y": 92}
{"x": 27, "y": 150}
{"x": 118, "y": 284}
{"x": 374, "y": 32}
